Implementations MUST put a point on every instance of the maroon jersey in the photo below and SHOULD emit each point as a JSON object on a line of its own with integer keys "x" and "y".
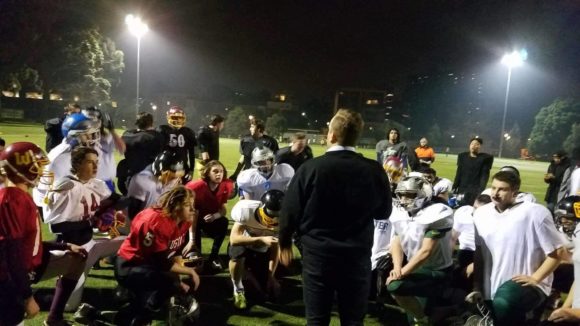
{"x": 207, "y": 201}
{"x": 154, "y": 239}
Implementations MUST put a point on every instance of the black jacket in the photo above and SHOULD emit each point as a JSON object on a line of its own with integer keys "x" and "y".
{"x": 558, "y": 171}
{"x": 332, "y": 202}
{"x": 472, "y": 172}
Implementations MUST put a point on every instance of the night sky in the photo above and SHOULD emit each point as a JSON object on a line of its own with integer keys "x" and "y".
{"x": 313, "y": 47}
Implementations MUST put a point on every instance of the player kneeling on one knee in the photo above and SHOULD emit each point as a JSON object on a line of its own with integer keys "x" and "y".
{"x": 422, "y": 233}
{"x": 254, "y": 238}
{"x": 517, "y": 250}
{"x": 149, "y": 263}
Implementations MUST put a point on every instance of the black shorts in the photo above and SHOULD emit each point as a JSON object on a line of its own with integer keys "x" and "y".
{"x": 256, "y": 262}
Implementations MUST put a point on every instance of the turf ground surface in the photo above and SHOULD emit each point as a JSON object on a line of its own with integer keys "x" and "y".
{"x": 215, "y": 291}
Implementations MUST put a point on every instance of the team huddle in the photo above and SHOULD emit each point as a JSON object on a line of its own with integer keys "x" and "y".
{"x": 384, "y": 229}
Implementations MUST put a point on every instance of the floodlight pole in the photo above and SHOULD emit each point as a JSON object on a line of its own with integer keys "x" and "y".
{"x": 505, "y": 106}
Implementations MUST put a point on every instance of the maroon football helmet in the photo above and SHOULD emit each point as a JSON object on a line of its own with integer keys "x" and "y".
{"x": 25, "y": 162}
{"x": 176, "y": 117}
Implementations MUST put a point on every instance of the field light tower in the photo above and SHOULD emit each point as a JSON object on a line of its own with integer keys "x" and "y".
{"x": 138, "y": 28}
{"x": 511, "y": 60}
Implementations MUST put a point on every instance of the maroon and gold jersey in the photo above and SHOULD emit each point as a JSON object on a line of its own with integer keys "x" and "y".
{"x": 207, "y": 201}
{"x": 19, "y": 221}
{"x": 153, "y": 234}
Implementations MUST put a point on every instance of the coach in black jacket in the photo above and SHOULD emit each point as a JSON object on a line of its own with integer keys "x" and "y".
{"x": 331, "y": 203}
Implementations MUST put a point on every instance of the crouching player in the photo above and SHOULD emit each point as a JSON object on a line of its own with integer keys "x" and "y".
{"x": 517, "y": 249}
{"x": 78, "y": 203}
{"x": 254, "y": 244}
{"x": 422, "y": 233}
{"x": 149, "y": 264}
{"x": 24, "y": 259}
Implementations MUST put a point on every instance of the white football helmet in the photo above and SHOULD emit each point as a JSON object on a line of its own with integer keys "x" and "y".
{"x": 263, "y": 160}
{"x": 413, "y": 193}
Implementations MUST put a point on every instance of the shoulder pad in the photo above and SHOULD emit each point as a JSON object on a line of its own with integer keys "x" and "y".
{"x": 286, "y": 170}
{"x": 63, "y": 184}
{"x": 434, "y": 213}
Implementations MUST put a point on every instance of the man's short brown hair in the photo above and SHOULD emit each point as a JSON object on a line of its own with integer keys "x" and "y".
{"x": 299, "y": 136}
{"x": 78, "y": 155}
{"x": 510, "y": 178}
{"x": 347, "y": 127}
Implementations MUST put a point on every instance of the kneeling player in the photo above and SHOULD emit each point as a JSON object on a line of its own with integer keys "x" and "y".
{"x": 149, "y": 264}
{"x": 422, "y": 233}
{"x": 264, "y": 175}
{"x": 254, "y": 237}
{"x": 24, "y": 258}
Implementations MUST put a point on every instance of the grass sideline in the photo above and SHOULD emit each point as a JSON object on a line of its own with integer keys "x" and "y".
{"x": 215, "y": 291}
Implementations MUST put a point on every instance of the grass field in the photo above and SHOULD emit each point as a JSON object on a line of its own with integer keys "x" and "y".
{"x": 215, "y": 291}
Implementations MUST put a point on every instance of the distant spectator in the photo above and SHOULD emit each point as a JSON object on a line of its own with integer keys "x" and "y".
{"x": 425, "y": 153}
{"x": 143, "y": 145}
{"x": 553, "y": 177}
{"x": 472, "y": 172}
{"x": 394, "y": 147}
{"x": 53, "y": 126}
{"x": 208, "y": 139}
{"x": 297, "y": 153}
{"x": 570, "y": 185}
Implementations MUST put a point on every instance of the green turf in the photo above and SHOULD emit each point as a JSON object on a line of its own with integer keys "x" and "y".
{"x": 215, "y": 291}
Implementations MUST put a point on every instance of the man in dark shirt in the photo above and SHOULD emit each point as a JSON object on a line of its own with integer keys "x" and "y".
{"x": 472, "y": 172}
{"x": 553, "y": 177}
{"x": 209, "y": 139}
{"x": 295, "y": 154}
{"x": 331, "y": 204}
{"x": 142, "y": 146}
{"x": 53, "y": 127}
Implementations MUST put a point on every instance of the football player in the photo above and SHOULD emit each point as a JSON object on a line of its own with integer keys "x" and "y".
{"x": 568, "y": 215}
{"x": 521, "y": 196}
{"x": 515, "y": 278}
{"x": 24, "y": 258}
{"x": 78, "y": 203}
{"x": 256, "y": 138}
{"x": 422, "y": 233}
{"x": 254, "y": 242}
{"x": 212, "y": 192}
{"x": 264, "y": 175}
{"x": 442, "y": 187}
{"x": 180, "y": 139}
{"x": 148, "y": 262}
{"x": 146, "y": 187}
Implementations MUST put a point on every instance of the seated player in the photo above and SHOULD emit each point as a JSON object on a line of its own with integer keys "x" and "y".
{"x": 264, "y": 175}
{"x": 254, "y": 244}
{"x": 78, "y": 203}
{"x": 517, "y": 250}
{"x": 212, "y": 192}
{"x": 162, "y": 175}
{"x": 568, "y": 215}
{"x": 149, "y": 261}
{"x": 422, "y": 234}
{"x": 24, "y": 258}
{"x": 442, "y": 187}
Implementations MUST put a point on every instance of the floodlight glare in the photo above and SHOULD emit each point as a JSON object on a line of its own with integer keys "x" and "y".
{"x": 514, "y": 59}
{"x": 136, "y": 26}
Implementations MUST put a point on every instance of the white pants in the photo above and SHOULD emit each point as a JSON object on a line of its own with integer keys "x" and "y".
{"x": 96, "y": 249}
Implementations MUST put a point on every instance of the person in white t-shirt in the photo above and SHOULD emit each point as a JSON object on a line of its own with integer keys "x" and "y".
{"x": 517, "y": 250}
{"x": 422, "y": 233}
{"x": 464, "y": 232}
{"x": 520, "y": 196}
{"x": 568, "y": 214}
{"x": 254, "y": 242}
{"x": 264, "y": 175}
{"x": 78, "y": 203}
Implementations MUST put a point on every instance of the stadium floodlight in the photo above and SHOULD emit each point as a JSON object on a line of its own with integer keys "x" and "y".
{"x": 511, "y": 60}
{"x": 138, "y": 28}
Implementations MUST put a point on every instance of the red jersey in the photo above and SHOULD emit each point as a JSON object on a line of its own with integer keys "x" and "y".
{"x": 19, "y": 222}
{"x": 153, "y": 234}
{"x": 207, "y": 201}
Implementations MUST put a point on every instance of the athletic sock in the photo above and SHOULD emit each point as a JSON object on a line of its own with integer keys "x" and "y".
{"x": 62, "y": 292}
{"x": 238, "y": 287}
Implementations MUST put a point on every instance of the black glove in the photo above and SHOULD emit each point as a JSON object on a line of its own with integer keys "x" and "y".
{"x": 107, "y": 121}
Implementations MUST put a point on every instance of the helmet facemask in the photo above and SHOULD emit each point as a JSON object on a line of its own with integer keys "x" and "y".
{"x": 176, "y": 119}
{"x": 265, "y": 168}
{"x": 267, "y": 218}
{"x": 413, "y": 193}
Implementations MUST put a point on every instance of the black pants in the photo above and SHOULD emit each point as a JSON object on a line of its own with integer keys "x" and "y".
{"x": 150, "y": 288}
{"x": 347, "y": 275}
{"x": 216, "y": 230}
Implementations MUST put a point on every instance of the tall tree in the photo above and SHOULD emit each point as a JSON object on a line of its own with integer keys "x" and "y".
{"x": 552, "y": 125}
{"x": 573, "y": 140}
{"x": 237, "y": 123}
{"x": 275, "y": 125}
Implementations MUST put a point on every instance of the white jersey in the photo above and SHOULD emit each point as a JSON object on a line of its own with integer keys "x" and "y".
{"x": 72, "y": 201}
{"x": 442, "y": 186}
{"x": 381, "y": 240}
{"x": 244, "y": 213}
{"x": 463, "y": 224}
{"x": 575, "y": 183}
{"x": 107, "y": 167}
{"x": 253, "y": 185}
{"x": 146, "y": 187}
{"x": 514, "y": 242}
{"x": 521, "y": 196}
{"x": 576, "y": 261}
{"x": 433, "y": 221}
